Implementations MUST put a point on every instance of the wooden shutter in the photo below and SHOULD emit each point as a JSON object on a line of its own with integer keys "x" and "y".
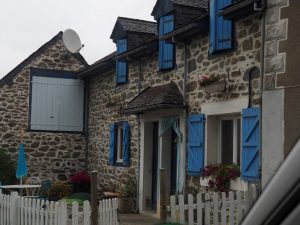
{"x": 57, "y": 104}
{"x": 250, "y": 143}
{"x": 196, "y": 124}
{"x": 126, "y": 144}
{"x": 221, "y": 34}
{"x": 166, "y": 50}
{"x": 111, "y": 147}
{"x": 121, "y": 66}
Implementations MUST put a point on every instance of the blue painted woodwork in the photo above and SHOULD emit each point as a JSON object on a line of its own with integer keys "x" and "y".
{"x": 121, "y": 66}
{"x": 125, "y": 144}
{"x": 111, "y": 150}
{"x": 220, "y": 33}
{"x": 250, "y": 143}
{"x": 196, "y": 132}
{"x": 166, "y": 50}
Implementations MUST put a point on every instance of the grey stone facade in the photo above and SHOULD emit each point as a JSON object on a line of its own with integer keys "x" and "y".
{"x": 49, "y": 155}
{"x": 106, "y": 99}
{"x": 276, "y": 31}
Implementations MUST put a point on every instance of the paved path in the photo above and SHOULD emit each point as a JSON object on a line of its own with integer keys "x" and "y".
{"x": 137, "y": 219}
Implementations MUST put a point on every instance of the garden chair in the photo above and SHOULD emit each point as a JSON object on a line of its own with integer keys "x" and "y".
{"x": 33, "y": 192}
{"x": 44, "y": 193}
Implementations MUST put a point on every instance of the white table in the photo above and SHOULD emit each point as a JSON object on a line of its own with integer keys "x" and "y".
{"x": 20, "y": 187}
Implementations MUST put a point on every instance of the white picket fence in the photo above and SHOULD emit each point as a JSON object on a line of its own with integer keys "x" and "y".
{"x": 212, "y": 208}
{"x": 16, "y": 210}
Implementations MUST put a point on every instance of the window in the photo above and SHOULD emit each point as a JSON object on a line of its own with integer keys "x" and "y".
{"x": 121, "y": 66}
{"x": 229, "y": 140}
{"x": 220, "y": 30}
{"x": 56, "y": 101}
{"x": 119, "y": 144}
{"x": 166, "y": 50}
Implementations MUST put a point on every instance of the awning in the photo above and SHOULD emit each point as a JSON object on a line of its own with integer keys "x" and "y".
{"x": 157, "y": 97}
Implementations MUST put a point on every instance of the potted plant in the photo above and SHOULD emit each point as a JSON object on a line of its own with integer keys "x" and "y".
{"x": 219, "y": 176}
{"x": 126, "y": 193}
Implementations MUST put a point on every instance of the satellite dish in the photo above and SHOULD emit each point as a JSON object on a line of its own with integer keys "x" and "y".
{"x": 71, "y": 41}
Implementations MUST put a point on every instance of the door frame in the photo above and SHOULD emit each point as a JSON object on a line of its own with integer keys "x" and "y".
{"x": 152, "y": 117}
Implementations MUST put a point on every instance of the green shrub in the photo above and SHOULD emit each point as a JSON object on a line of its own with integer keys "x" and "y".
{"x": 7, "y": 169}
{"x": 58, "y": 191}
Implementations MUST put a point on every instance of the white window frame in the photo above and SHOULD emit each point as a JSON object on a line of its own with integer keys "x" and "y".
{"x": 119, "y": 147}
{"x": 235, "y": 119}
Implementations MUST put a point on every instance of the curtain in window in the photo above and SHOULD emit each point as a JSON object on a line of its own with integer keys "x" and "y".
{"x": 172, "y": 122}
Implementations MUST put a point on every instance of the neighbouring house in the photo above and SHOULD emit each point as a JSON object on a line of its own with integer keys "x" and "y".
{"x": 149, "y": 107}
{"x": 43, "y": 98}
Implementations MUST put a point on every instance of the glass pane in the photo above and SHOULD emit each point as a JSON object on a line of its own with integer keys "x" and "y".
{"x": 227, "y": 141}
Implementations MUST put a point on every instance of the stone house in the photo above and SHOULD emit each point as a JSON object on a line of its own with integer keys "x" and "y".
{"x": 209, "y": 82}
{"x": 29, "y": 98}
{"x": 148, "y": 106}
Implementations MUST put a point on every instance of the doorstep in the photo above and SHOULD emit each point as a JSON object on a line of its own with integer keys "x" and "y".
{"x": 136, "y": 219}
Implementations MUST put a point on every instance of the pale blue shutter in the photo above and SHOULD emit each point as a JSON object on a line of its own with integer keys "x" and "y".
{"x": 111, "y": 149}
{"x": 250, "y": 143}
{"x": 195, "y": 145}
{"x": 126, "y": 144}
{"x": 121, "y": 66}
{"x": 166, "y": 50}
{"x": 220, "y": 35}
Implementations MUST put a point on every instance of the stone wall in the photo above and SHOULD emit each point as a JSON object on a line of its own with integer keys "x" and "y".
{"x": 276, "y": 32}
{"x": 105, "y": 98}
{"x": 48, "y": 154}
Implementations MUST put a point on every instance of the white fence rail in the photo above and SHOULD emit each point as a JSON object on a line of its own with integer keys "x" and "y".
{"x": 212, "y": 208}
{"x": 15, "y": 210}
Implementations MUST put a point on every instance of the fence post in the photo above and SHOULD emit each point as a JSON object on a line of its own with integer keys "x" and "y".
{"x": 14, "y": 208}
{"x": 163, "y": 193}
{"x": 94, "y": 198}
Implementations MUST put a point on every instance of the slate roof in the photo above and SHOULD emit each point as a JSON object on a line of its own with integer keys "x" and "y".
{"x": 8, "y": 78}
{"x": 163, "y": 96}
{"x": 136, "y": 25}
{"x": 124, "y": 25}
{"x": 194, "y": 3}
{"x": 104, "y": 64}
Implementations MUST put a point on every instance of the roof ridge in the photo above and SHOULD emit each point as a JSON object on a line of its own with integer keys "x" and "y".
{"x": 148, "y": 21}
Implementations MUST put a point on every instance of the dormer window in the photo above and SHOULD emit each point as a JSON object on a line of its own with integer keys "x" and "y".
{"x": 166, "y": 49}
{"x": 221, "y": 32}
{"x": 121, "y": 66}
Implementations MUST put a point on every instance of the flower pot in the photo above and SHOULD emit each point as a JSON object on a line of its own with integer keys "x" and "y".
{"x": 125, "y": 205}
{"x": 217, "y": 86}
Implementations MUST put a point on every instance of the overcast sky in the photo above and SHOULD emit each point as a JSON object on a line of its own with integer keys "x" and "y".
{"x": 25, "y": 25}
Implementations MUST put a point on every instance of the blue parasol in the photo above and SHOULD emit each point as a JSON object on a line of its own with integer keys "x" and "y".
{"x": 21, "y": 167}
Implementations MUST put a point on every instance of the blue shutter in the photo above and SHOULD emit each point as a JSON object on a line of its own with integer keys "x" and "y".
{"x": 111, "y": 150}
{"x": 121, "y": 66}
{"x": 166, "y": 50}
{"x": 221, "y": 35}
{"x": 126, "y": 144}
{"x": 250, "y": 143}
{"x": 196, "y": 124}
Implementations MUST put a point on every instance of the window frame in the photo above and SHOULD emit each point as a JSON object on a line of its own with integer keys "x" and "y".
{"x": 235, "y": 154}
{"x": 119, "y": 148}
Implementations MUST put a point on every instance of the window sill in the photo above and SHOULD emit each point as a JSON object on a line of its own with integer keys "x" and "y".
{"x": 236, "y": 185}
